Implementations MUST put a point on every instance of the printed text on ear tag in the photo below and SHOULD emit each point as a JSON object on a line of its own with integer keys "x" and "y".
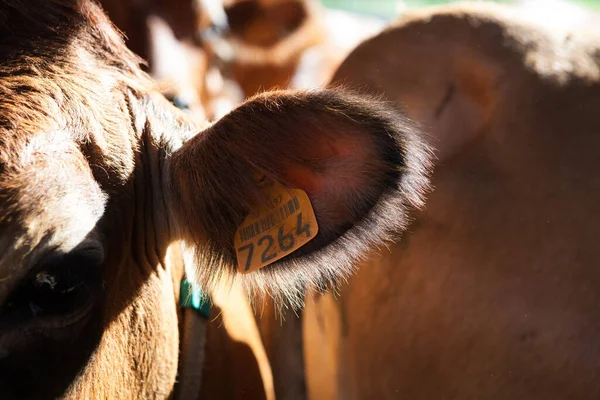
{"x": 276, "y": 229}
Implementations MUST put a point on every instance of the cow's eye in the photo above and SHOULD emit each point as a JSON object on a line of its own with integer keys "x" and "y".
{"x": 57, "y": 293}
{"x": 179, "y": 101}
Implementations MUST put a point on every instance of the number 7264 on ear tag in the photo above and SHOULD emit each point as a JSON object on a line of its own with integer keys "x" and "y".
{"x": 276, "y": 229}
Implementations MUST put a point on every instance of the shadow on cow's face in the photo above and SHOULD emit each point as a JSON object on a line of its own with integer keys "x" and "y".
{"x": 56, "y": 306}
{"x": 86, "y": 286}
{"x": 51, "y": 261}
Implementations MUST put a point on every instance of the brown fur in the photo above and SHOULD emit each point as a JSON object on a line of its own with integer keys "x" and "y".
{"x": 493, "y": 293}
{"x": 68, "y": 87}
{"x": 99, "y": 174}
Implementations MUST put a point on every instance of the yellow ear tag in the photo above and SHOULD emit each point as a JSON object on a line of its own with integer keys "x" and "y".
{"x": 276, "y": 229}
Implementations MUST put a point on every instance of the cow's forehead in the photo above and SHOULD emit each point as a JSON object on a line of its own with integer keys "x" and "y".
{"x": 66, "y": 80}
{"x": 49, "y": 202}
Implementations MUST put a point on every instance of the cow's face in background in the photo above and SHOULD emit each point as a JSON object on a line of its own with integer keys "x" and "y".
{"x": 171, "y": 36}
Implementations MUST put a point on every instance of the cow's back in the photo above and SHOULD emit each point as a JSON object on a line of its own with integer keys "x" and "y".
{"x": 492, "y": 293}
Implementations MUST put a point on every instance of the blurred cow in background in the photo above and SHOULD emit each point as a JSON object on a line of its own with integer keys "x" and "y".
{"x": 493, "y": 293}
{"x": 169, "y": 34}
{"x": 210, "y": 54}
{"x": 289, "y": 43}
{"x": 345, "y": 355}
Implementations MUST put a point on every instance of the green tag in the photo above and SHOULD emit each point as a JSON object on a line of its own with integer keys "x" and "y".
{"x": 192, "y": 297}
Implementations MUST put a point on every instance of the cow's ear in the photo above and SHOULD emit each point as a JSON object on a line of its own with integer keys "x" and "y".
{"x": 361, "y": 163}
{"x": 460, "y": 68}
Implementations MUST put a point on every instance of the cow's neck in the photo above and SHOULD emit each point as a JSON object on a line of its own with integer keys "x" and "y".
{"x": 161, "y": 133}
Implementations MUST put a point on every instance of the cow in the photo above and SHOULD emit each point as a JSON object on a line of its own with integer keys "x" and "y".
{"x": 102, "y": 179}
{"x": 210, "y": 54}
{"x": 266, "y": 40}
{"x": 170, "y": 35}
{"x": 493, "y": 291}
{"x": 287, "y": 43}
{"x": 190, "y": 45}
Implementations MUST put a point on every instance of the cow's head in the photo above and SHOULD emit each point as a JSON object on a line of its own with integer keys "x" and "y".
{"x": 266, "y": 41}
{"x": 99, "y": 174}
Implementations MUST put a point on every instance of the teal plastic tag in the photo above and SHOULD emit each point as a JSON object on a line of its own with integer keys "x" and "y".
{"x": 192, "y": 297}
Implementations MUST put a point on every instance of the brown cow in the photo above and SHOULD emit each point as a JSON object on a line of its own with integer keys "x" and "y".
{"x": 184, "y": 44}
{"x": 493, "y": 294}
{"x": 266, "y": 41}
{"x": 271, "y": 44}
{"x": 287, "y": 43}
{"x": 165, "y": 34}
{"x": 171, "y": 36}
{"x": 99, "y": 174}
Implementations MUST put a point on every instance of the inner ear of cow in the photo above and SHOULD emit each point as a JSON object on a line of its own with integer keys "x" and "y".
{"x": 361, "y": 162}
